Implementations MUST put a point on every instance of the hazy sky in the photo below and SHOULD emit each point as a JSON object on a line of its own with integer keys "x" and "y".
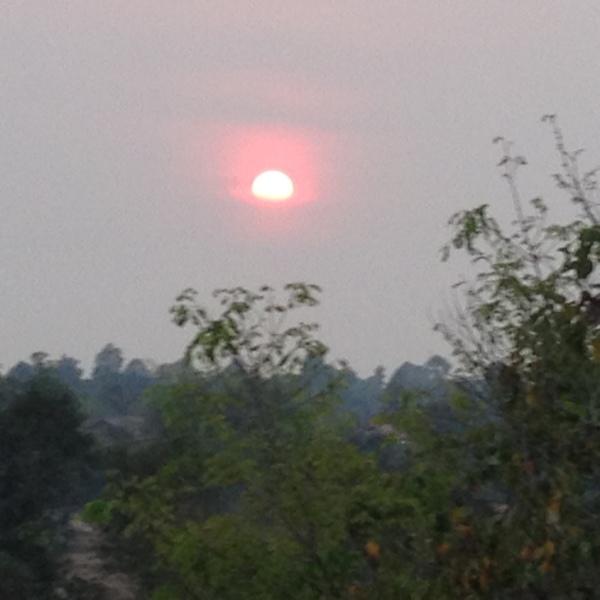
{"x": 128, "y": 130}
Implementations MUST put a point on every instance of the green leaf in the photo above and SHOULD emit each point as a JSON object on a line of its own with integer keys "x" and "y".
{"x": 575, "y": 409}
{"x": 460, "y": 402}
{"x": 97, "y": 511}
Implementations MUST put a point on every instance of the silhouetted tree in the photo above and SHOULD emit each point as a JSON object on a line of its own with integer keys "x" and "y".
{"x": 44, "y": 458}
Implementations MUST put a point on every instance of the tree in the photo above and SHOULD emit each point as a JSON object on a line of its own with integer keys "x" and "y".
{"x": 266, "y": 496}
{"x": 529, "y": 327}
{"x": 43, "y": 459}
{"x": 69, "y": 371}
{"x": 108, "y": 394}
{"x": 21, "y": 372}
{"x": 136, "y": 377}
{"x": 108, "y": 360}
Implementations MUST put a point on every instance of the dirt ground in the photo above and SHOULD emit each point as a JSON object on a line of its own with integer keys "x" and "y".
{"x": 84, "y": 560}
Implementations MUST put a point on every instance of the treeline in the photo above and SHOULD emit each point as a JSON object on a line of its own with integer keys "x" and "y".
{"x": 113, "y": 388}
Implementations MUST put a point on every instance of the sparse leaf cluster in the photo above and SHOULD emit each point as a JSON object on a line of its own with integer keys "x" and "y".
{"x": 251, "y": 330}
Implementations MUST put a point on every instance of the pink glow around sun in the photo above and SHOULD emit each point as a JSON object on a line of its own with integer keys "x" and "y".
{"x": 217, "y": 164}
{"x": 269, "y": 165}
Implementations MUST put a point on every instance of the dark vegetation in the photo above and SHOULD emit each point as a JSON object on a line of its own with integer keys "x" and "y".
{"x": 46, "y": 463}
{"x": 255, "y": 468}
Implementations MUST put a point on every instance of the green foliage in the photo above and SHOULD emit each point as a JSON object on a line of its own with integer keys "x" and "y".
{"x": 266, "y": 497}
{"x": 530, "y": 327}
{"x": 250, "y": 329}
{"x": 97, "y": 511}
{"x": 43, "y": 458}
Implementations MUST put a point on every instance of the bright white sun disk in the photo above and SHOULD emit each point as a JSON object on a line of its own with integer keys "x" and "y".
{"x": 273, "y": 185}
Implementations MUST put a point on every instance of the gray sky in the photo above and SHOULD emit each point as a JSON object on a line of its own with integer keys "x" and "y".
{"x": 125, "y": 126}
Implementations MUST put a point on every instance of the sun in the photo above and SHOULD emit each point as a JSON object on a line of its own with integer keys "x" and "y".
{"x": 274, "y": 186}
